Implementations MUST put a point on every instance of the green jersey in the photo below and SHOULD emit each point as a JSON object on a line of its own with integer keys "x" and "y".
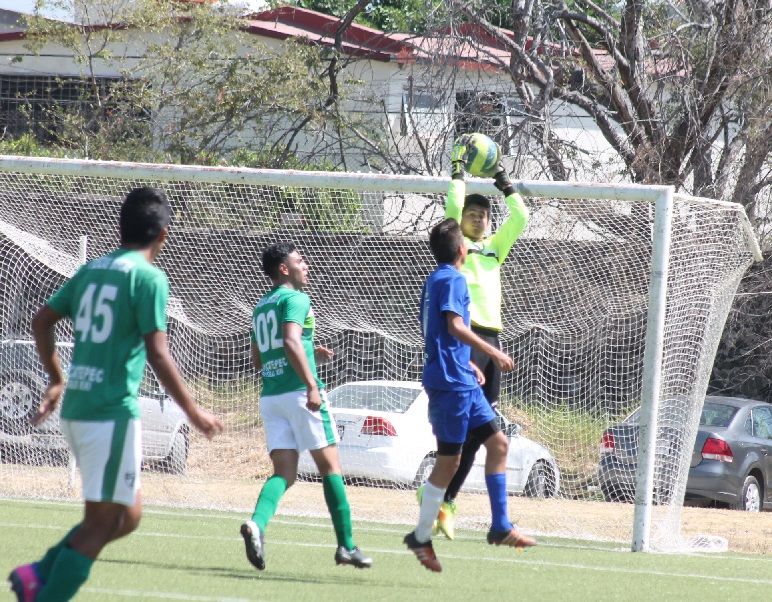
{"x": 113, "y": 302}
{"x": 277, "y": 307}
{"x": 482, "y": 268}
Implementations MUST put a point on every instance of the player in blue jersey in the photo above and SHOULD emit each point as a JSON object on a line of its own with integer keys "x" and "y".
{"x": 457, "y": 406}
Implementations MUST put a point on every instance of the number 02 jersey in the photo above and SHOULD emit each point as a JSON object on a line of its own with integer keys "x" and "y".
{"x": 275, "y": 308}
{"x": 113, "y": 301}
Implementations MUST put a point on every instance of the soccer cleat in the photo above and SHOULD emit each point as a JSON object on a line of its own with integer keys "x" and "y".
{"x": 419, "y": 495}
{"x": 423, "y": 551}
{"x": 25, "y": 583}
{"x": 355, "y": 558}
{"x": 253, "y": 542}
{"x": 446, "y": 519}
{"x": 512, "y": 538}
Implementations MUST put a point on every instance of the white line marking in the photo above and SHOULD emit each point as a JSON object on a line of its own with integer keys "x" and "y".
{"x": 492, "y": 559}
{"x": 132, "y": 593}
{"x": 239, "y": 516}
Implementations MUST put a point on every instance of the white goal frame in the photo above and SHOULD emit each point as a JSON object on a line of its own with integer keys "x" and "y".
{"x": 662, "y": 198}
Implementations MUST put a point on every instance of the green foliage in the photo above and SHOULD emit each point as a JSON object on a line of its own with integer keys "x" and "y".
{"x": 200, "y": 86}
{"x": 27, "y": 145}
{"x": 408, "y": 16}
{"x": 572, "y": 434}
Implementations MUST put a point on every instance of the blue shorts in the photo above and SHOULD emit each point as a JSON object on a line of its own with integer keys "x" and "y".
{"x": 453, "y": 414}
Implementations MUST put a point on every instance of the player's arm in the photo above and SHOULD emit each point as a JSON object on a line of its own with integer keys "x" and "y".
{"x": 508, "y": 233}
{"x": 165, "y": 368}
{"x": 293, "y": 346}
{"x": 454, "y": 204}
{"x": 463, "y": 333}
{"x": 323, "y": 354}
{"x": 478, "y": 374}
{"x": 45, "y": 342}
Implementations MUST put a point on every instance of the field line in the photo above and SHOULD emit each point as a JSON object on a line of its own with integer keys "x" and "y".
{"x": 144, "y": 594}
{"x": 465, "y": 558}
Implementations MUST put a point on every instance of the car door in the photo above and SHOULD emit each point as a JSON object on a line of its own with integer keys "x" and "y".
{"x": 761, "y": 417}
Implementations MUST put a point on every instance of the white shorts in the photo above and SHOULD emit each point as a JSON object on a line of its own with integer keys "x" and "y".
{"x": 109, "y": 455}
{"x": 289, "y": 424}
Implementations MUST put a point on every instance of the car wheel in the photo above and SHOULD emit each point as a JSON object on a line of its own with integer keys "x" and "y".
{"x": 424, "y": 470}
{"x": 540, "y": 483}
{"x": 177, "y": 460}
{"x": 20, "y": 395}
{"x": 750, "y": 496}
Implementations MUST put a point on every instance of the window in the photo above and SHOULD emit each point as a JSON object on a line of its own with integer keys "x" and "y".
{"x": 717, "y": 414}
{"x": 762, "y": 422}
{"x": 423, "y": 112}
{"x": 489, "y": 113}
{"x": 382, "y": 398}
{"x": 37, "y": 104}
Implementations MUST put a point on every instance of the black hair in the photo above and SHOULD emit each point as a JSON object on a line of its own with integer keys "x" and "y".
{"x": 477, "y": 200}
{"x": 144, "y": 213}
{"x": 445, "y": 239}
{"x": 274, "y": 256}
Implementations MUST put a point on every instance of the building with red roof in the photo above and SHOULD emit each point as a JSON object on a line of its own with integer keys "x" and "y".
{"x": 421, "y": 90}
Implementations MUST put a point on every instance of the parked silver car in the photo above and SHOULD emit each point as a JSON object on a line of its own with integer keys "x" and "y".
{"x": 165, "y": 430}
{"x": 385, "y": 436}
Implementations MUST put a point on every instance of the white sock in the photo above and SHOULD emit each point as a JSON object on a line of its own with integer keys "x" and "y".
{"x": 430, "y": 507}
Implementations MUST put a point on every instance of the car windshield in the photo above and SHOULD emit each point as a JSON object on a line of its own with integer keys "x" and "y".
{"x": 717, "y": 414}
{"x": 383, "y": 398}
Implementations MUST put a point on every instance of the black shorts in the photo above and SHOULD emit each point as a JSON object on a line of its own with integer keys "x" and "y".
{"x": 492, "y": 387}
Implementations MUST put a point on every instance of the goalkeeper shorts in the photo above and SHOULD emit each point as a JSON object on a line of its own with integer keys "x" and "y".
{"x": 289, "y": 424}
{"x": 109, "y": 455}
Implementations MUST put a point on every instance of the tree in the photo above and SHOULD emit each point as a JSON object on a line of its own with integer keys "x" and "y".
{"x": 682, "y": 91}
{"x": 199, "y": 87}
{"x": 408, "y": 16}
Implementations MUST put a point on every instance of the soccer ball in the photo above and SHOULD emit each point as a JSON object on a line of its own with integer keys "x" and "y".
{"x": 482, "y": 155}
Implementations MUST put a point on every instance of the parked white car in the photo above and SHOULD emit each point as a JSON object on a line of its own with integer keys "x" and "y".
{"x": 386, "y": 437}
{"x": 165, "y": 428}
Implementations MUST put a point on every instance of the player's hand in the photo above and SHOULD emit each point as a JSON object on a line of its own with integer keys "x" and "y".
{"x": 503, "y": 361}
{"x": 477, "y": 374}
{"x": 458, "y": 156}
{"x": 206, "y": 422}
{"x": 322, "y": 355}
{"x": 314, "y": 401}
{"x": 48, "y": 403}
{"x": 501, "y": 180}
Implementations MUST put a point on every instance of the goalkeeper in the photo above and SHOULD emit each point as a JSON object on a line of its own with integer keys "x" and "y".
{"x": 482, "y": 271}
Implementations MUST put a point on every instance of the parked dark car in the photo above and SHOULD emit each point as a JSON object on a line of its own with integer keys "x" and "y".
{"x": 731, "y": 461}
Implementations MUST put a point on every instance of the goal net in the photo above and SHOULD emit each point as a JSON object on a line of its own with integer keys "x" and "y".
{"x": 577, "y": 290}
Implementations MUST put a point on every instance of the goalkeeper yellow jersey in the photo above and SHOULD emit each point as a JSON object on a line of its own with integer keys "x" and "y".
{"x": 482, "y": 268}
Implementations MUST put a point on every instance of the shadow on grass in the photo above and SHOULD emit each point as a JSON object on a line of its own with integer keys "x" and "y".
{"x": 267, "y": 575}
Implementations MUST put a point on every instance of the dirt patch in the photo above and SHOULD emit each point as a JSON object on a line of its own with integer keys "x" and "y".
{"x": 227, "y": 474}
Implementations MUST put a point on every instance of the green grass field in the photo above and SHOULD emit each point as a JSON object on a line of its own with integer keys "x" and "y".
{"x": 198, "y": 555}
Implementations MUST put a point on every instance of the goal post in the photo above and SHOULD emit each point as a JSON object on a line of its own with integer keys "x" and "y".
{"x": 614, "y": 299}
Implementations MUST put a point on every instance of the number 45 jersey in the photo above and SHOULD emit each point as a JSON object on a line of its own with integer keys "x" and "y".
{"x": 113, "y": 302}
{"x": 277, "y": 307}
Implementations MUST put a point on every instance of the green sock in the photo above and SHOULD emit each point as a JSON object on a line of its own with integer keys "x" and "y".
{"x": 340, "y": 511}
{"x": 268, "y": 500}
{"x": 45, "y": 565}
{"x": 69, "y": 572}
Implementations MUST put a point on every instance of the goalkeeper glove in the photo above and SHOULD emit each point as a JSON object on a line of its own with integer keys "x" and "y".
{"x": 458, "y": 157}
{"x": 502, "y": 182}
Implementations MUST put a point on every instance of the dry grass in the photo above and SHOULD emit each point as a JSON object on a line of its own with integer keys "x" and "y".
{"x": 228, "y": 472}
